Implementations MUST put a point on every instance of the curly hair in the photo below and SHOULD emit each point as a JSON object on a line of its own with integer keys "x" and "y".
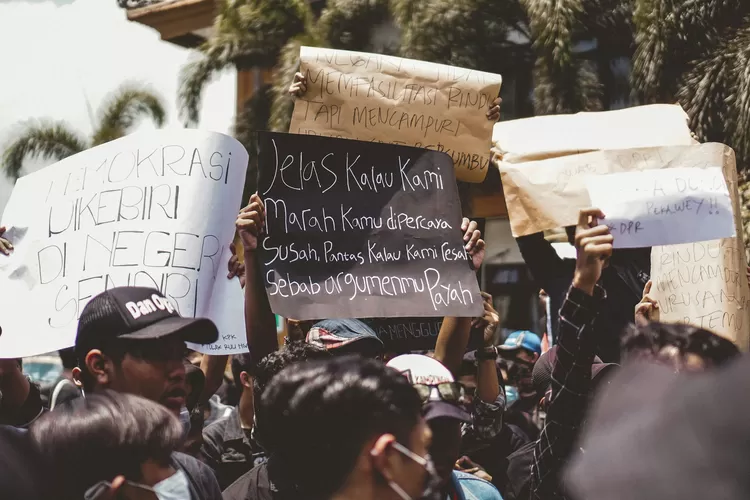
{"x": 657, "y": 340}
{"x": 293, "y": 352}
{"x": 318, "y": 415}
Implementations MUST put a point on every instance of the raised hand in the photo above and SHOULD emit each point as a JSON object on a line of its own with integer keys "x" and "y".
{"x": 473, "y": 242}
{"x": 647, "y": 310}
{"x": 235, "y": 267}
{"x": 250, "y": 223}
{"x": 6, "y": 247}
{"x": 494, "y": 112}
{"x": 594, "y": 247}
{"x": 298, "y": 86}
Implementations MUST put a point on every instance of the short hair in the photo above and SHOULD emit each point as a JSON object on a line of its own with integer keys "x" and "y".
{"x": 113, "y": 349}
{"x": 293, "y": 352}
{"x": 68, "y": 358}
{"x": 649, "y": 341}
{"x": 241, "y": 363}
{"x": 104, "y": 435}
{"x": 318, "y": 415}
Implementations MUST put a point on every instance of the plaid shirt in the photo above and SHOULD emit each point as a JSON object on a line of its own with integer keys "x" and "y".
{"x": 571, "y": 382}
{"x": 487, "y": 418}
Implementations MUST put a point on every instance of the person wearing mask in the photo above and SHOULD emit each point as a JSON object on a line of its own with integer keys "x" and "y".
{"x": 345, "y": 428}
{"x": 89, "y": 442}
{"x": 132, "y": 340}
{"x": 257, "y": 483}
{"x": 345, "y": 336}
{"x": 442, "y": 400}
{"x": 523, "y": 349}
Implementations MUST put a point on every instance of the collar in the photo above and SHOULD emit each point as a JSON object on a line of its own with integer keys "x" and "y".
{"x": 233, "y": 429}
{"x": 455, "y": 492}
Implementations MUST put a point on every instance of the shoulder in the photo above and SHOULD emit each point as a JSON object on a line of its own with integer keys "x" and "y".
{"x": 240, "y": 489}
{"x": 200, "y": 476}
{"x": 215, "y": 430}
{"x": 475, "y": 488}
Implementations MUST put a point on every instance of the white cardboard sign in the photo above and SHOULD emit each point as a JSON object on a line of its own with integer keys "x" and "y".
{"x": 153, "y": 209}
{"x": 664, "y": 206}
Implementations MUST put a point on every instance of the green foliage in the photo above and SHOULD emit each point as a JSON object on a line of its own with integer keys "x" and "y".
{"x": 49, "y": 140}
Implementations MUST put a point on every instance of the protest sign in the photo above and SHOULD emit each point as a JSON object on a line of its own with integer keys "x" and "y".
{"x": 551, "y": 136}
{"x": 548, "y": 194}
{"x": 374, "y": 97}
{"x": 153, "y": 209}
{"x": 360, "y": 229}
{"x": 403, "y": 335}
{"x": 664, "y": 207}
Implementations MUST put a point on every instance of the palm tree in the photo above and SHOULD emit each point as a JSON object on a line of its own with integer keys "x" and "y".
{"x": 55, "y": 140}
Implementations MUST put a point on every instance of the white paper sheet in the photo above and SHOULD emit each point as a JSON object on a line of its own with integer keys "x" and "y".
{"x": 152, "y": 209}
{"x": 664, "y": 207}
{"x": 227, "y": 310}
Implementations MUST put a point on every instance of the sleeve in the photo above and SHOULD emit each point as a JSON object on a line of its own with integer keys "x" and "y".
{"x": 571, "y": 381}
{"x": 210, "y": 452}
{"x": 488, "y": 417}
{"x": 540, "y": 257}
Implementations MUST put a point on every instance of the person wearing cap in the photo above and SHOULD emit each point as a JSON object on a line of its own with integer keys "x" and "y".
{"x": 345, "y": 336}
{"x": 441, "y": 400}
{"x": 132, "y": 340}
{"x": 523, "y": 348}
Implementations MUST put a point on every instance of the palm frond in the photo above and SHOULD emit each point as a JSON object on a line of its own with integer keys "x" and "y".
{"x": 123, "y": 109}
{"x": 288, "y": 65}
{"x": 574, "y": 89}
{"x": 45, "y": 140}
{"x": 348, "y": 24}
{"x": 194, "y": 77}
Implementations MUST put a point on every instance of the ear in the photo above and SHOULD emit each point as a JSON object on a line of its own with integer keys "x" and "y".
{"x": 381, "y": 460}
{"x": 99, "y": 366}
{"x": 76, "y": 373}
{"x": 247, "y": 380}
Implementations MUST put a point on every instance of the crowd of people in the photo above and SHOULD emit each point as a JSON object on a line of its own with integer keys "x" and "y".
{"x": 331, "y": 415}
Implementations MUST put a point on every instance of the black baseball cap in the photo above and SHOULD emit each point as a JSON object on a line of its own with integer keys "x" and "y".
{"x": 138, "y": 313}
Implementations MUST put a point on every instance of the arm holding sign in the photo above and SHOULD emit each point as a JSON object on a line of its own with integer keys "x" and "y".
{"x": 260, "y": 323}
{"x": 5, "y": 246}
{"x": 298, "y": 86}
{"x": 454, "y": 332}
{"x": 647, "y": 310}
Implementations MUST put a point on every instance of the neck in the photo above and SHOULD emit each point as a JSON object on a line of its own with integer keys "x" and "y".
{"x": 246, "y": 408}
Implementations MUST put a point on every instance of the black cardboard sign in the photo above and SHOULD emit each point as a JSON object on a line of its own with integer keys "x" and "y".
{"x": 362, "y": 230}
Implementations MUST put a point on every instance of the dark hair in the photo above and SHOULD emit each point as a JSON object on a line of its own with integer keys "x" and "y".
{"x": 68, "y": 358}
{"x": 293, "y": 352}
{"x": 104, "y": 435}
{"x": 241, "y": 363}
{"x": 318, "y": 415}
{"x": 650, "y": 340}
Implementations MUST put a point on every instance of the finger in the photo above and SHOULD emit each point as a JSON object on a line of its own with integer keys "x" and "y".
{"x": 475, "y": 236}
{"x": 298, "y": 76}
{"x": 597, "y": 240}
{"x": 593, "y": 231}
{"x": 302, "y": 87}
{"x": 3, "y": 229}
{"x": 601, "y": 251}
{"x": 588, "y": 213}
{"x": 647, "y": 288}
{"x": 464, "y": 224}
{"x": 468, "y": 235}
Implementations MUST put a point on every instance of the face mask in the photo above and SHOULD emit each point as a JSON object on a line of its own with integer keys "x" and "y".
{"x": 511, "y": 394}
{"x": 433, "y": 480}
{"x": 175, "y": 487}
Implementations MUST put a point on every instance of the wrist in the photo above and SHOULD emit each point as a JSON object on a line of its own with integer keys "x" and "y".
{"x": 585, "y": 285}
{"x": 487, "y": 353}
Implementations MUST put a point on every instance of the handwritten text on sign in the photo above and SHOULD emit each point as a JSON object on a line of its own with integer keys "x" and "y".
{"x": 664, "y": 207}
{"x": 358, "y": 229}
{"x": 152, "y": 209}
{"x": 374, "y": 97}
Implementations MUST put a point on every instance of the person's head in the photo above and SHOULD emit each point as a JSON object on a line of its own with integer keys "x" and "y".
{"x": 523, "y": 348}
{"x": 243, "y": 368}
{"x": 273, "y": 363}
{"x": 345, "y": 336}
{"x": 542, "y": 375}
{"x": 68, "y": 358}
{"x": 684, "y": 347}
{"x": 132, "y": 340}
{"x": 106, "y": 435}
{"x": 442, "y": 400}
{"x": 346, "y": 424}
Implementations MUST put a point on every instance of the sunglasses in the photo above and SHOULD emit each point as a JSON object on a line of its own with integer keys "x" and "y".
{"x": 451, "y": 392}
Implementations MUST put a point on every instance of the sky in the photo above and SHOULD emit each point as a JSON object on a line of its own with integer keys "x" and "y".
{"x": 59, "y": 54}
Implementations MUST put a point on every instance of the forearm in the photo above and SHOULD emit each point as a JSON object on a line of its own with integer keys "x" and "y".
{"x": 260, "y": 323}
{"x": 451, "y": 343}
{"x": 213, "y": 368}
{"x": 488, "y": 386}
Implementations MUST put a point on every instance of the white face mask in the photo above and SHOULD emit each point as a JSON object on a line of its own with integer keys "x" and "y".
{"x": 433, "y": 480}
{"x": 175, "y": 487}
